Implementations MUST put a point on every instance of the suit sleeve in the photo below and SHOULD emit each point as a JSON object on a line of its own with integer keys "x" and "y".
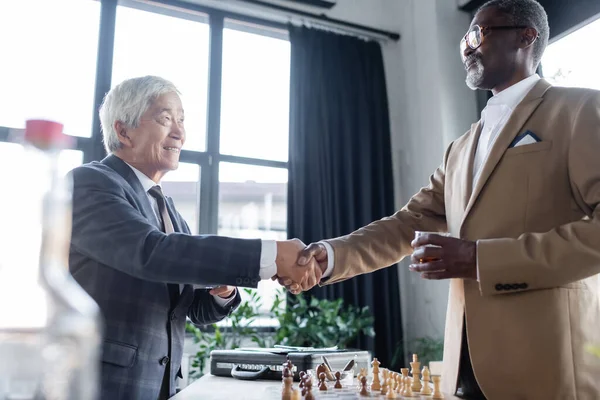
{"x": 204, "y": 309}
{"x": 385, "y": 242}
{"x": 110, "y": 230}
{"x": 567, "y": 253}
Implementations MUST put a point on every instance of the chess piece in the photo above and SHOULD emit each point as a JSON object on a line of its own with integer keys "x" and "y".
{"x": 301, "y": 384}
{"x": 363, "y": 387}
{"x": 416, "y": 381}
{"x": 338, "y": 378}
{"x": 308, "y": 387}
{"x": 296, "y": 395}
{"x": 408, "y": 387}
{"x": 322, "y": 384}
{"x": 286, "y": 392}
{"x": 404, "y": 379}
{"x": 391, "y": 394}
{"x": 363, "y": 372}
{"x": 384, "y": 386}
{"x": 426, "y": 390}
{"x": 437, "y": 394}
{"x": 375, "y": 385}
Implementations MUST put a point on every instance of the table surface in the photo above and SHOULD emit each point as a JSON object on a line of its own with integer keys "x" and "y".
{"x": 211, "y": 387}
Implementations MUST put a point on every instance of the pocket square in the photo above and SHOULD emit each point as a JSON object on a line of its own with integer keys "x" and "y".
{"x": 527, "y": 137}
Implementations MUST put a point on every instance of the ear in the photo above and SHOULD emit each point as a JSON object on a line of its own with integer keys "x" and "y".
{"x": 529, "y": 36}
{"x": 123, "y": 134}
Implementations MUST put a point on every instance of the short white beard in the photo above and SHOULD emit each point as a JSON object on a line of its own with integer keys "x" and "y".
{"x": 475, "y": 76}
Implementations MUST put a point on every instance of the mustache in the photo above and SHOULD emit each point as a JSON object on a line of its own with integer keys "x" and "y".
{"x": 472, "y": 59}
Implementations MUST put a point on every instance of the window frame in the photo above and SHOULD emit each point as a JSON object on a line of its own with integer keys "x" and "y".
{"x": 210, "y": 159}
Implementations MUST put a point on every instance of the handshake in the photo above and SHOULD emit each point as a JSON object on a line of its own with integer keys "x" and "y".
{"x": 299, "y": 267}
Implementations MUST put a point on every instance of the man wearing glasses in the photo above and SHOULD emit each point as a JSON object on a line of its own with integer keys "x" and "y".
{"x": 520, "y": 195}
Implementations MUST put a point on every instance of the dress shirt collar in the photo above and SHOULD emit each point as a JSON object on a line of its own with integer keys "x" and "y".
{"x": 146, "y": 182}
{"x": 513, "y": 95}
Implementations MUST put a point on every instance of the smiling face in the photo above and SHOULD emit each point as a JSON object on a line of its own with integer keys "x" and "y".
{"x": 153, "y": 146}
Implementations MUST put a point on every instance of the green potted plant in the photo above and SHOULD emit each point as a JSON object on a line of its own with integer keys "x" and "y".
{"x": 306, "y": 322}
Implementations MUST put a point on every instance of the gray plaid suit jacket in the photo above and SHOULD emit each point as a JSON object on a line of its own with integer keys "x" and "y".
{"x": 120, "y": 256}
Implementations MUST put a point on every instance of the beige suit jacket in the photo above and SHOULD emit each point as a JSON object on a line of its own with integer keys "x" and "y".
{"x": 535, "y": 214}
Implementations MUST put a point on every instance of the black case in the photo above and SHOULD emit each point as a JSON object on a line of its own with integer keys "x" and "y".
{"x": 252, "y": 365}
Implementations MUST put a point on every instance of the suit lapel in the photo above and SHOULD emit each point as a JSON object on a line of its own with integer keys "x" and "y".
{"x": 127, "y": 173}
{"x": 512, "y": 128}
{"x": 467, "y": 164}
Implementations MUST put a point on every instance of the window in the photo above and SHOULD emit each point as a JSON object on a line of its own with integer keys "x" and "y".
{"x": 233, "y": 75}
{"x": 148, "y": 43}
{"x": 569, "y": 61}
{"x": 49, "y": 64}
{"x": 255, "y": 94}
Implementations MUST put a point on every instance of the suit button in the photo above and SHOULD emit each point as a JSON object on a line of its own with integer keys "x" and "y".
{"x": 173, "y": 316}
{"x": 516, "y": 286}
{"x": 522, "y": 286}
{"x": 246, "y": 281}
{"x": 254, "y": 282}
{"x": 499, "y": 287}
{"x": 507, "y": 286}
{"x": 164, "y": 360}
{"x": 238, "y": 281}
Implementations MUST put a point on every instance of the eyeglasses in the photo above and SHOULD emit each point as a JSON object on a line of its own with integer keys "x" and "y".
{"x": 474, "y": 37}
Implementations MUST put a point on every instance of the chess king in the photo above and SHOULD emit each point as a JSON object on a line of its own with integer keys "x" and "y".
{"x": 519, "y": 194}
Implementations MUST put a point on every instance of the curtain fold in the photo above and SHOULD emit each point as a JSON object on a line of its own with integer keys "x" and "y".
{"x": 340, "y": 164}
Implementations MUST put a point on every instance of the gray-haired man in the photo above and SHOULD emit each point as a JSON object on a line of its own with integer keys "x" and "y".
{"x": 134, "y": 254}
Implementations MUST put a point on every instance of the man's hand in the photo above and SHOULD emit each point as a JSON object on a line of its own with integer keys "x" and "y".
{"x": 289, "y": 273}
{"x": 224, "y": 292}
{"x": 314, "y": 252}
{"x": 443, "y": 257}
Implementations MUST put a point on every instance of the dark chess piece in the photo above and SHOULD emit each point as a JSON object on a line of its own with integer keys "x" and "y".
{"x": 322, "y": 384}
{"x": 338, "y": 383}
{"x": 363, "y": 387}
{"x": 301, "y": 384}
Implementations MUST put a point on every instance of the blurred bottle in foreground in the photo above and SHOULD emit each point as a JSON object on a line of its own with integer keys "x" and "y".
{"x": 49, "y": 326}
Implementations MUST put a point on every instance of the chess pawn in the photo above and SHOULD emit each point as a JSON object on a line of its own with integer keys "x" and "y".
{"x": 408, "y": 387}
{"x": 301, "y": 384}
{"x": 391, "y": 394}
{"x": 403, "y": 380}
{"x": 375, "y": 385}
{"x": 363, "y": 387}
{"x": 426, "y": 390}
{"x": 437, "y": 394}
{"x": 338, "y": 378}
{"x": 308, "y": 387}
{"x": 416, "y": 381}
{"x": 322, "y": 384}
{"x": 296, "y": 395}
{"x": 384, "y": 387}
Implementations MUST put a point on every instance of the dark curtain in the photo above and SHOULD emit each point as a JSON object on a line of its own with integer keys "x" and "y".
{"x": 340, "y": 167}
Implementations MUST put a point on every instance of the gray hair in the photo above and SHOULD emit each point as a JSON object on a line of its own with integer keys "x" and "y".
{"x": 526, "y": 12}
{"x": 127, "y": 102}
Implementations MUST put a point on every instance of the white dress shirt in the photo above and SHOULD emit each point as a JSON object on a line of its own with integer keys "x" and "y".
{"x": 493, "y": 118}
{"x": 268, "y": 268}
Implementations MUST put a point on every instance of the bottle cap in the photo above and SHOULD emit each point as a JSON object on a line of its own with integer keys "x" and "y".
{"x": 45, "y": 134}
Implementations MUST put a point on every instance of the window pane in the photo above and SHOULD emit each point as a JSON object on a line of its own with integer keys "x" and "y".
{"x": 148, "y": 43}
{"x": 569, "y": 61}
{"x": 183, "y": 186}
{"x": 255, "y": 95}
{"x": 253, "y": 204}
{"x": 48, "y": 68}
